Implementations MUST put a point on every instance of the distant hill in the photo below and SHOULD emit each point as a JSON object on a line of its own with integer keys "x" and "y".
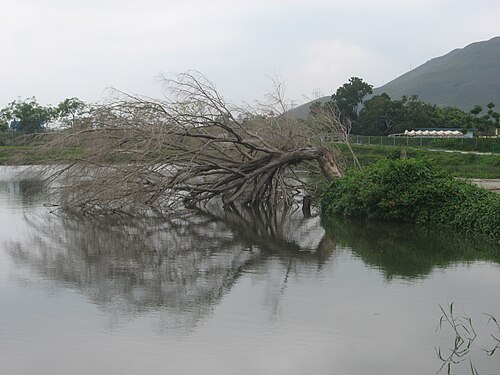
{"x": 462, "y": 78}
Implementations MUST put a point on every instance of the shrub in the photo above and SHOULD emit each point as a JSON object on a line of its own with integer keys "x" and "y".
{"x": 414, "y": 191}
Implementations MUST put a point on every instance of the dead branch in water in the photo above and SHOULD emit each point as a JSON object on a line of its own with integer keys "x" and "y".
{"x": 191, "y": 147}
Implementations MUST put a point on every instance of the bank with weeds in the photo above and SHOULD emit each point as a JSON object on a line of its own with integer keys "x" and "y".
{"x": 415, "y": 191}
{"x": 468, "y": 165}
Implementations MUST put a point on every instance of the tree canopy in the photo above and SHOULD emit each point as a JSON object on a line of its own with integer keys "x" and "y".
{"x": 26, "y": 116}
{"x": 346, "y": 100}
{"x": 70, "y": 109}
{"x": 382, "y": 115}
{"x": 350, "y": 95}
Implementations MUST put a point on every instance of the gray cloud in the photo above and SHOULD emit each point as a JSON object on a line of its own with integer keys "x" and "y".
{"x": 56, "y": 49}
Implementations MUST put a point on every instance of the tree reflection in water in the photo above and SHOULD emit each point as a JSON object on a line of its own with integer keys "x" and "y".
{"x": 406, "y": 251}
{"x": 180, "y": 266}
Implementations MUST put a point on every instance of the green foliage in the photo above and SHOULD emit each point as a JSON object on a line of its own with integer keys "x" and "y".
{"x": 466, "y": 144}
{"x": 394, "y": 153}
{"x": 414, "y": 191}
{"x": 69, "y": 110}
{"x": 382, "y": 115}
{"x": 350, "y": 95}
{"x": 26, "y": 116}
{"x": 483, "y": 144}
{"x": 489, "y": 120}
{"x": 347, "y": 98}
{"x": 476, "y": 110}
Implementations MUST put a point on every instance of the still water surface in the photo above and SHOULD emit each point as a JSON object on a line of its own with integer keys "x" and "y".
{"x": 231, "y": 293}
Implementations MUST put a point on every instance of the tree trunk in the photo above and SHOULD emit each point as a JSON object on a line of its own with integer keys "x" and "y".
{"x": 329, "y": 165}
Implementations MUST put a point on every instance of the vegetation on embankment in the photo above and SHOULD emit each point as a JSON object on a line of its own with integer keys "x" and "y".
{"x": 414, "y": 191}
{"x": 457, "y": 164}
{"x": 467, "y": 165}
{"x": 29, "y": 155}
{"x": 475, "y": 144}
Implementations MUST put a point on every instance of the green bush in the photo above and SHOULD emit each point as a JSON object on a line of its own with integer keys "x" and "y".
{"x": 414, "y": 191}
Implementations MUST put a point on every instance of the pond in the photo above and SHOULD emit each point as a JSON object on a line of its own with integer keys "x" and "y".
{"x": 240, "y": 292}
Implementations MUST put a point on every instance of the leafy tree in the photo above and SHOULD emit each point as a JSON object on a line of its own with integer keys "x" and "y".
{"x": 350, "y": 96}
{"x": 456, "y": 118}
{"x": 5, "y": 119}
{"x": 26, "y": 116}
{"x": 490, "y": 106}
{"x": 380, "y": 115}
{"x": 420, "y": 114}
{"x": 476, "y": 110}
{"x": 487, "y": 122}
{"x": 70, "y": 109}
{"x": 495, "y": 116}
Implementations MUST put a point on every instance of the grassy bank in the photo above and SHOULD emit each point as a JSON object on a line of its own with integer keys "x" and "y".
{"x": 457, "y": 164}
{"x": 414, "y": 191}
{"x": 462, "y": 144}
{"x": 13, "y": 155}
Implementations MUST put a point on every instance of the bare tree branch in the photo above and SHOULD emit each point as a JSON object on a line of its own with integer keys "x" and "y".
{"x": 191, "y": 147}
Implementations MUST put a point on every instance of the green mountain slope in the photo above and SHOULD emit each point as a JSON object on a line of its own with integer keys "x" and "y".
{"x": 462, "y": 78}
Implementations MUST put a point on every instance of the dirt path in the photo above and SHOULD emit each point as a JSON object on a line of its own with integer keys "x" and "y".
{"x": 488, "y": 184}
{"x": 462, "y": 152}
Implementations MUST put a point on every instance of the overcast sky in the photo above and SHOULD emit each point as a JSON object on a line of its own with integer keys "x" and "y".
{"x": 54, "y": 49}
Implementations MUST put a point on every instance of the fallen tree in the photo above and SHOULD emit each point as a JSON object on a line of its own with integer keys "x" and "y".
{"x": 191, "y": 147}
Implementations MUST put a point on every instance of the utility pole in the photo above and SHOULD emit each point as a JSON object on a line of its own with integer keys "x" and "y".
{"x": 317, "y": 93}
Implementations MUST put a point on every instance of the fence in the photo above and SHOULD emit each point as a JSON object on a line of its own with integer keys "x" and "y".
{"x": 463, "y": 144}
